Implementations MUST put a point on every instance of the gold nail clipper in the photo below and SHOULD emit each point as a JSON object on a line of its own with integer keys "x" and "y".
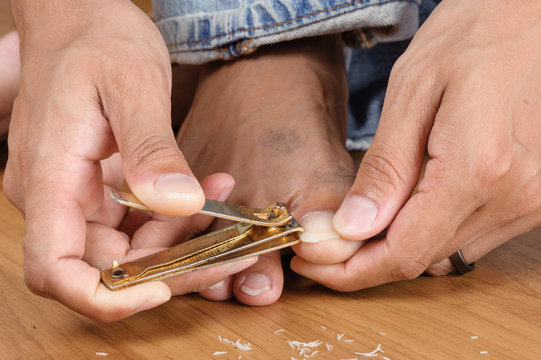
{"x": 258, "y": 231}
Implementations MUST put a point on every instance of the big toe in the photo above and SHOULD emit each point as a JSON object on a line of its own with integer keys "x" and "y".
{"x": 321, "y": 244}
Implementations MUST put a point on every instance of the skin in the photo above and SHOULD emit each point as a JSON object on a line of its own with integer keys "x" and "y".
{"x": 10, "y": 68}
{"x": 466, "y": 90}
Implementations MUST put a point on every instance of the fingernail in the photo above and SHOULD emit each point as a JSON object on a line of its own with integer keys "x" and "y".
{"x": 255, "y": 284}
{"x": 217, "y": 285}
{"x": 318, "y": 226}
{"x": 177, "y": 184}
{"x": 356, "y": 215}
{"x": 152, "y": 303}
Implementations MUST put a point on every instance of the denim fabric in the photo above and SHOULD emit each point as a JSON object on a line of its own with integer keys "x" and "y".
{"x": 199, "y": 31}
{"x": 368, "y": 74}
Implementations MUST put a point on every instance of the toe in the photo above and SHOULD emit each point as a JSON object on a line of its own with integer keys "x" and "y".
{"x": 220, "y": 291}
{"x": 262, "y": 283}
{"x": 320, "y": 242}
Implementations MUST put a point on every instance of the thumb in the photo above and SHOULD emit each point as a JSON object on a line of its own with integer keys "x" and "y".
{"x": 153, "y": 165}
{"x": 390, "y": 169}
{"x": 158, "y": 174}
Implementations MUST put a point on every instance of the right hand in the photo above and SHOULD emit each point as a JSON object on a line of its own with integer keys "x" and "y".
{"x": 95, "y": 80}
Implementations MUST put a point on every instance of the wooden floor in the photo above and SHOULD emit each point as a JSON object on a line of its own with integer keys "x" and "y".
{"x": 491, "y": 313}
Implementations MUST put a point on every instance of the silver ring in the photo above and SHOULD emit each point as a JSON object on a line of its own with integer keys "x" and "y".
{"x": 461, "y": 266}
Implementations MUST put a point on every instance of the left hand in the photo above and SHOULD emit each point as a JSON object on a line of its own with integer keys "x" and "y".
{"x": 114, "y": 233}
{"x": 467, "y": 90}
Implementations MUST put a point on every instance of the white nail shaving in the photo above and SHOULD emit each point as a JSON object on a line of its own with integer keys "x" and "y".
{"x": 236, "y": 344}
{"x": 373, "y": 353}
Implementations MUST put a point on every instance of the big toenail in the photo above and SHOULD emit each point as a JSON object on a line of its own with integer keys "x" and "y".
{"x": 318, "y": 226}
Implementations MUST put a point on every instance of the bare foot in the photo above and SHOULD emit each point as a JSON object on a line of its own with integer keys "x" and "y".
{"x": 276, "y": 121}
{"x": 10, "y": 72}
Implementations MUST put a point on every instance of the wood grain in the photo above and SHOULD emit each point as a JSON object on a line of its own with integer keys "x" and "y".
{"x": 428, "y": 318}
{"x": 496, "y": 308}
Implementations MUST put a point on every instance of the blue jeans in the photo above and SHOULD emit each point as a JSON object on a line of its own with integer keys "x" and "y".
{"x": 200, "y": 31}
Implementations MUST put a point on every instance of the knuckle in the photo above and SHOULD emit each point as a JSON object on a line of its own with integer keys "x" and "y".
{"x": 382, "y": 167}
{"x": 9, "y": 186}
{"x": 415, "y": 78}
{"x": 400, "y": 66}
{"x": 409, "y": 269}
{"x": 343, "y": 284}
{"x": 503, "y": 184}
{"x": 107, "y": 315}
{"x": 348, "y": 285}
{"x": 124, "y": 80}
{"x": 151, "y": 149}
{"x": 406, "y": 72}
{"x": 34, "y": 279}
{"x": 439, "y": 269}
{"x": 344, "y": 280}
{"x": 412, "y": 66}
{"x": 492, "y": 169}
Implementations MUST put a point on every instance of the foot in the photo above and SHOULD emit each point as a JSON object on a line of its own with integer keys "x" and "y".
{"x": 10, "y": 70}
{"x": 276, "y": 121}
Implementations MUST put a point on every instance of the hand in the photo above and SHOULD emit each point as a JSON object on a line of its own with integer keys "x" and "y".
{"x": 467, "y": 90}
{"x": 95, "y": 80}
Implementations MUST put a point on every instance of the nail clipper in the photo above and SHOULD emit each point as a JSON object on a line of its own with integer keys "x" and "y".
{"x": 257, "y": 231}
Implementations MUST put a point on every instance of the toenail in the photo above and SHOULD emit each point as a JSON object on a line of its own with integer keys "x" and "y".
{"x": 217, "y": 285}
{"x": 255, "y": 284}
{"x": 318, "y": 226}
{"x": 356, "y": 215}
